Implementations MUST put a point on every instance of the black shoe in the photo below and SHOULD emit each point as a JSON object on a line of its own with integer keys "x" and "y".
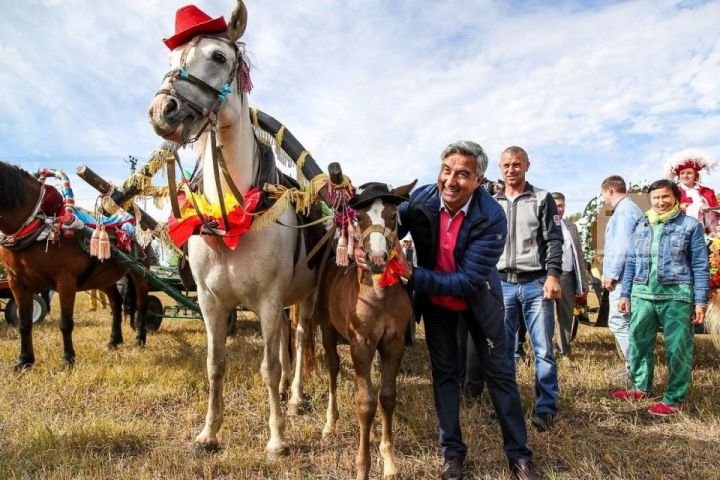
{"x": 525, "y": 469}
{"x": 452, "y": 469}
{"x": 543, "y": 421}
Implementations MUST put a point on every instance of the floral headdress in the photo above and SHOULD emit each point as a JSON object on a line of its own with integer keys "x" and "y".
{"x": 690, "y": 158}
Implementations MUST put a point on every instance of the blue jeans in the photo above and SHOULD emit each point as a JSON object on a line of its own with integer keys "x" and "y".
{"x": 540, "y": 320}
{"x": 496, "y": 366}
{"x": 619, "y": 324}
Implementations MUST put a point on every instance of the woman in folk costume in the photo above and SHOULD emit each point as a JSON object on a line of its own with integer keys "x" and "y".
{"x": 696, "y": 200}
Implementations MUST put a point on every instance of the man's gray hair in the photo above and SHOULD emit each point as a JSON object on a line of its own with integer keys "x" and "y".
{"x": 466, "y": 147}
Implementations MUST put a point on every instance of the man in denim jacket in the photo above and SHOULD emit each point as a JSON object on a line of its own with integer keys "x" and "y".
{"x": 618, "y": 237}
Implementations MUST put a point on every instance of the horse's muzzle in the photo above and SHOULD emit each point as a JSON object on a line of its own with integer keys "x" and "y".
{"x": 169, "y": 117}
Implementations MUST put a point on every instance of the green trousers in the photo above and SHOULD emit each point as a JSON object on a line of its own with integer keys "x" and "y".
{"x": 674, "y": 316}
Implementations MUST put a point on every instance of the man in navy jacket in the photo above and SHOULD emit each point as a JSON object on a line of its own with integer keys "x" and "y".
{"x": 459, "y": 232}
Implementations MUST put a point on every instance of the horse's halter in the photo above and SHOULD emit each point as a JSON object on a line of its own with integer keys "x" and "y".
{"x": 389, "y": 234}
{"x": 220, "y": 94}
{"x": 210, "y": 115}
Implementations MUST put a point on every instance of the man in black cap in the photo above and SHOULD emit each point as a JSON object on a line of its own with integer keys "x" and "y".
{"x": 459, "y": 233}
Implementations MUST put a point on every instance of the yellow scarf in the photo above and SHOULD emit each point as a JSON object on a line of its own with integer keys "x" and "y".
{"x": 654, "y": 218}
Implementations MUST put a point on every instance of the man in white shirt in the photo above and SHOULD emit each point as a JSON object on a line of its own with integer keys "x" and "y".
{"x": 574, "y": 280}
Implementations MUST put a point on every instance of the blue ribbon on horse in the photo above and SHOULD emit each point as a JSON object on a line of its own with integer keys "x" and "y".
{"x": 225, "y": 90}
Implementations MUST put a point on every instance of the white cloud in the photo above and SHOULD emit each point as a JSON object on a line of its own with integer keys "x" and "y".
{"x": 382, "y": 87}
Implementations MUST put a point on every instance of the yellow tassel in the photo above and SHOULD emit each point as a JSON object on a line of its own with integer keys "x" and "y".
{"x": 94, "y": 245}
{"x": 103, "y": 244}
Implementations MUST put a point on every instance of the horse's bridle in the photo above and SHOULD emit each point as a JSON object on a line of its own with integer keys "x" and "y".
{"x": 220, "y": 95}
{"x": 210, "y": 115}
{"x": 389, "y": 234}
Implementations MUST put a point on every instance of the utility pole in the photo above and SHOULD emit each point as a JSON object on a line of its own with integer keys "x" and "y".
{"x": 133, "y": 162}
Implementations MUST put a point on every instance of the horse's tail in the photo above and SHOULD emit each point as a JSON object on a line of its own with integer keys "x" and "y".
{"x": 712, "y": 320}
{"x": 309, "y": 343}
{"x": 129, "y": 299}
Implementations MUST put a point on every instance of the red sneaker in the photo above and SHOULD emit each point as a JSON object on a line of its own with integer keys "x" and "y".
{"x": 630, "y": 395}
{"x": 664, "y": 410}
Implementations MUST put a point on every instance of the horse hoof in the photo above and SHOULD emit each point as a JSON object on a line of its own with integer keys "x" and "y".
{"x": 199, "y": 450}
{"x": 22, "y": 366}
{"x": 275, "y": 454}
{"x": 140, "y": 343}
{"x": 68, "y": 363}
{"x": 113, "y": 345}
{"x": 284, "y": 397}
{"x": 328, "y": 435}
{"x": 298, "y": 408}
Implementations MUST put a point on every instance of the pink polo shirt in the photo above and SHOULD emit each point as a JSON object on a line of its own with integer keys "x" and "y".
{"x": 445, "y": 261}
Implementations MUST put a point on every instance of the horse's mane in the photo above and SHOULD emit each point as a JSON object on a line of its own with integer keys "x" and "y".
{"x": 12, "y": 190}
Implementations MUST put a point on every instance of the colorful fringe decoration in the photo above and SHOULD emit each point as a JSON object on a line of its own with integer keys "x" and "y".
{"x": 284, "y": 197}
{"x": 393, "y": 272}
{"x": 239, "y": 218}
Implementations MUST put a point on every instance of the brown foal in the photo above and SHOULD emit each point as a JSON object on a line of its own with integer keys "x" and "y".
{"x": 352, "y": 303}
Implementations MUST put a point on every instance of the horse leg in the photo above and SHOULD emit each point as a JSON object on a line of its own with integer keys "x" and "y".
{"x": 271, "y": 321}
{"x": 24, "y": 301}
{"x": 116, "y": 337}
{"x": 215, "y": 315}
{"x": 303, "y": 334}
{"x": 66, "y": 292}
{"x": 329, "y": 339}
{"x": 390, "y": 357}
{"x": 285, "y": 361}
{"x": 362, "y": 357}
{"x": 140, "y": 285}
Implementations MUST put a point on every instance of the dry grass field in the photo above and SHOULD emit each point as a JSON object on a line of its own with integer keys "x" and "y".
{"x": 132, "y": 414}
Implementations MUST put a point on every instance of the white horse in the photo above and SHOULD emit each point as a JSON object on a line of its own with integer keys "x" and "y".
{"x": 204, "y": 91}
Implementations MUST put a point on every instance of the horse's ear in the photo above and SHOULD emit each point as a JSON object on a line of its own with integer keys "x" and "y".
{"x": 404, "y": 190}
{"x": 238, "y": 22}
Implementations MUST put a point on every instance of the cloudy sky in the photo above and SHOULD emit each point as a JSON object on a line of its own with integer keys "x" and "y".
{"x": 588, "y": 88}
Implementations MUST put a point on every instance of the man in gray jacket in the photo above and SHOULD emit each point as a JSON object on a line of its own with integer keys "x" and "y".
{"x": 530, "y": 268}
{"x": 574, "y": 280}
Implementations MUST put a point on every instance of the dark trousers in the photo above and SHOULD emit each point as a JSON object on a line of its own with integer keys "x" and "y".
{"x": 498, "y": 369}
{"x": 471, "y": 377}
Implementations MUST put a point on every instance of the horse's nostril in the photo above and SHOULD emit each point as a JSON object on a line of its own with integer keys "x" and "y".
{"x": 171, "y": 106}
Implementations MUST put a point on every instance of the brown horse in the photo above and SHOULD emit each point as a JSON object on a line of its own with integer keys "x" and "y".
{"x": 354, "y": 303}
{"x": 61, "y": 265}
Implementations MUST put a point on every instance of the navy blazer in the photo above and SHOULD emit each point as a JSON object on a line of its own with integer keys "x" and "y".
{"x": 480, "y": 243}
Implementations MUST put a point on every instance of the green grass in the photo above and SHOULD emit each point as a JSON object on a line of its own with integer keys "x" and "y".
{"x": 132, "y": 414}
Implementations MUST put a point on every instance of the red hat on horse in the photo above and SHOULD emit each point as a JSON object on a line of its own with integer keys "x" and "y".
{"x": 189, "y": 21}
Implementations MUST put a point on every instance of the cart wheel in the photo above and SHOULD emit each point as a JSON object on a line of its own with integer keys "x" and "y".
{"x": 154, "y": 313}
{"x": 232, "y": 323}
{"x": 39, "y": 311}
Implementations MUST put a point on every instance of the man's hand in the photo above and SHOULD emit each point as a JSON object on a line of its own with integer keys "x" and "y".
{"x": 551, "y": 288}
{"x": 624, "y": 305}
{"x": 608, "y": 284}
{"x": 699, "y": 317}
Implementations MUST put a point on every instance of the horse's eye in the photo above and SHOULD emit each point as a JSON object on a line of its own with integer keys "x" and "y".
{"x": 219, "y": 57}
